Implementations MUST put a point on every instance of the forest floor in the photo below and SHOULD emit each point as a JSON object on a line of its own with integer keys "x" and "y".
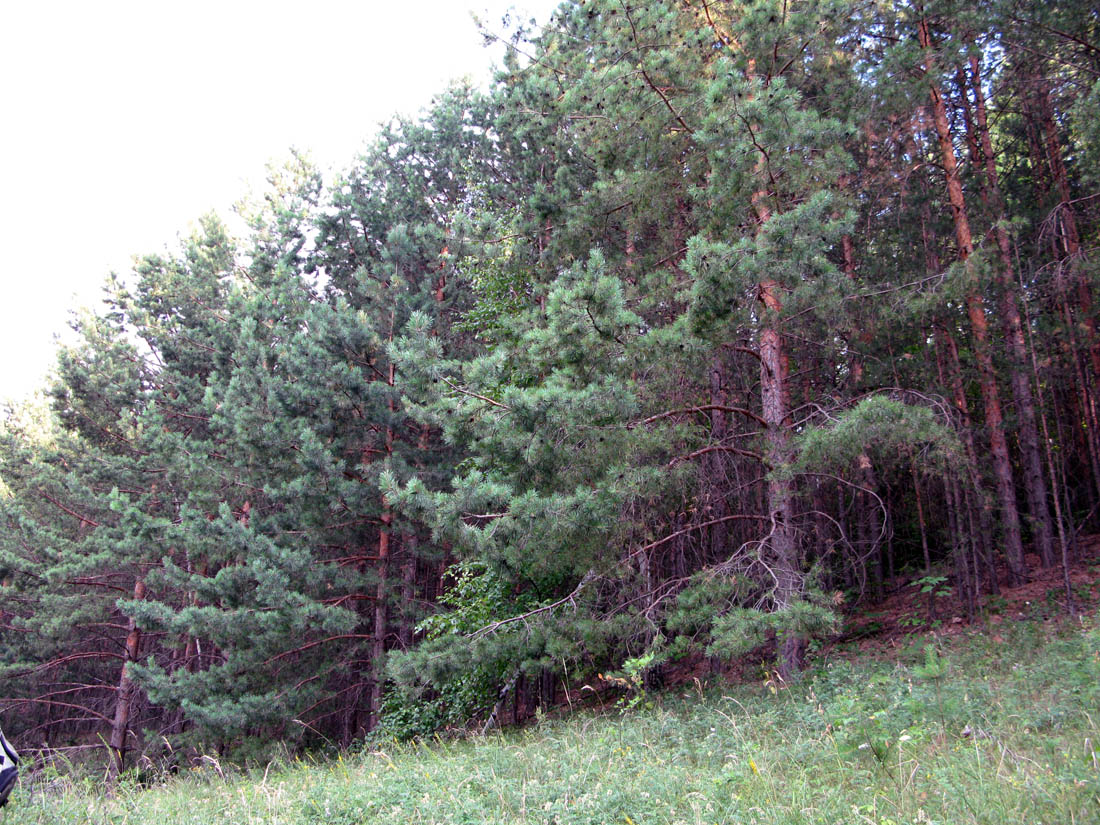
{"x": 996, "y": 721}
{"x": 909, "y": 608}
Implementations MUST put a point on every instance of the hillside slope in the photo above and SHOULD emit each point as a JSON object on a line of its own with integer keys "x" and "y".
{"x": 968, "y": 729}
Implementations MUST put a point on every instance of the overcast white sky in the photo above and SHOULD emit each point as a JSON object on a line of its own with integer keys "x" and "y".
{"x": 122, "y": 122}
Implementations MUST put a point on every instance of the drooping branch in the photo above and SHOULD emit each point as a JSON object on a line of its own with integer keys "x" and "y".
{"x": 695, "y": 527}
{"x": 484, "y": 398}
{"x": 703, "y": 408}
{"x": 73, "y": 513}
{"x": 720, "y": 448}
{"x": 546, "y": 608}
{"x": 317, "y": 642}
{"x": 56, "y": 703}
{"x": 649, "y": 80}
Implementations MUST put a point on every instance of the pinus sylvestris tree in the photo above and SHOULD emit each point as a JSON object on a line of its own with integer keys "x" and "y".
{"x": 718, "y": 176}
{"x": 92, "y": 510}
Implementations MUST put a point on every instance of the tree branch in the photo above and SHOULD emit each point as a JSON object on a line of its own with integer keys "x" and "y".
{"x": 694, "y": 527}
{"x": 495, "y": 626}
{"x": 720, "y": 448}
{"x": 706, "y": 408}
{"x": 484, "y": 398}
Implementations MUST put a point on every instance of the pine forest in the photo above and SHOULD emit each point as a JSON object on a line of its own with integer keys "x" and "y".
{"x": 686, "y": 338}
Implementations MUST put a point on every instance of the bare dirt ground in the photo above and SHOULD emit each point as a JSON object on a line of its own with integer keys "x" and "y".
{"x": 906, "y": 610}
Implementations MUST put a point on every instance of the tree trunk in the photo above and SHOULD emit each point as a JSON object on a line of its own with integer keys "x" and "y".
{"x": 1070, "y": 237}
{"x": 920, "y": 516}
{"x": 978, "y": 522}
{"x": 1082, "y": 320}
{"x": 782, "y": 541}
{"x": 981, "y": 532}
{"x": 1002, "y": 465}
{"x": 378, "y": 647}
{"x": 124, "y": 700}
{"x": 1086, "y": 398}
{"x": 871, "y": 523}
{"x": 1016, "y": 345}
{"x": 410, "y": 545}
{"x": 715, "y": 466}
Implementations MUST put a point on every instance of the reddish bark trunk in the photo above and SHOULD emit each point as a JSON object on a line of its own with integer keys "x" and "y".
{"x": 1016, "y": 345}
{"x": 1066, "y": 220}
{"x": 784, "y": 560}
{"x": 715, "y": 466}
{"x": 124, "y": 700}
{"x": 378, "y": 647}
{"x": 975, "y": 306}
{"x": 978, "y": 525}
{"x": 409, "y": 547}
{"x": 871, "y": 523}
{"x": 782, "y": 540}
{"x": 1038, "y": 118}
{"x": 983, "y": 529}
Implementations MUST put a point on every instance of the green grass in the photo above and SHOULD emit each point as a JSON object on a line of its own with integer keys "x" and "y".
{"x": 972, "y": 731}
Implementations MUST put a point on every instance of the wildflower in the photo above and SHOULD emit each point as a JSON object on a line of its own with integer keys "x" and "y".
{"x": 755, "y": 770}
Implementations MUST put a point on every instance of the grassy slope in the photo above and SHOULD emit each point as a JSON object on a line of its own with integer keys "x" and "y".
{"x": 999, "y": 729}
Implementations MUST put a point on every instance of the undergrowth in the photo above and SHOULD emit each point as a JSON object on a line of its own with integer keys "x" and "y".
{"x": 967, "y": 730}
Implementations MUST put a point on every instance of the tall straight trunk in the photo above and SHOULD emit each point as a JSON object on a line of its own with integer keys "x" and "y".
{"x": 871, "y": 522}
{"x": 782, "y": 556}
{"x": 979, "y": 327}
{"x": 964, "y": 561}
{"x": 1066, "y": 220}
{"x": 1086, "y": 398}
{"x": 378, "y": 647}
{"x": 783, "y": 542}
{"x": 1064, "y": 545}
{"x": 862, "y": 332}
{"x": 920, "y": 516}
{"x": 647, "y": 602}
{"x": 124, "y": 697}
{"x": 1069, "y": 235}
{"x": 715, "y": 465}
{"x": 975, "y": 517}
{"x": 979, "y": 524}
{"x": 1048, "y": 172}
{"x": 1016, "y": 345}
{"x": 410, "y": 545}
{"x": 1056, "y": 498}
{"x": 870, "y": 554}
{"x": 981, "y": 531}
{"x": 822, "y": 540}
{"x": 1036, "y": 155}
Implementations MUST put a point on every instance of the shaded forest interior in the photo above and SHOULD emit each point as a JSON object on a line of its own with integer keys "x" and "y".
{"x": 702, "y": 327}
